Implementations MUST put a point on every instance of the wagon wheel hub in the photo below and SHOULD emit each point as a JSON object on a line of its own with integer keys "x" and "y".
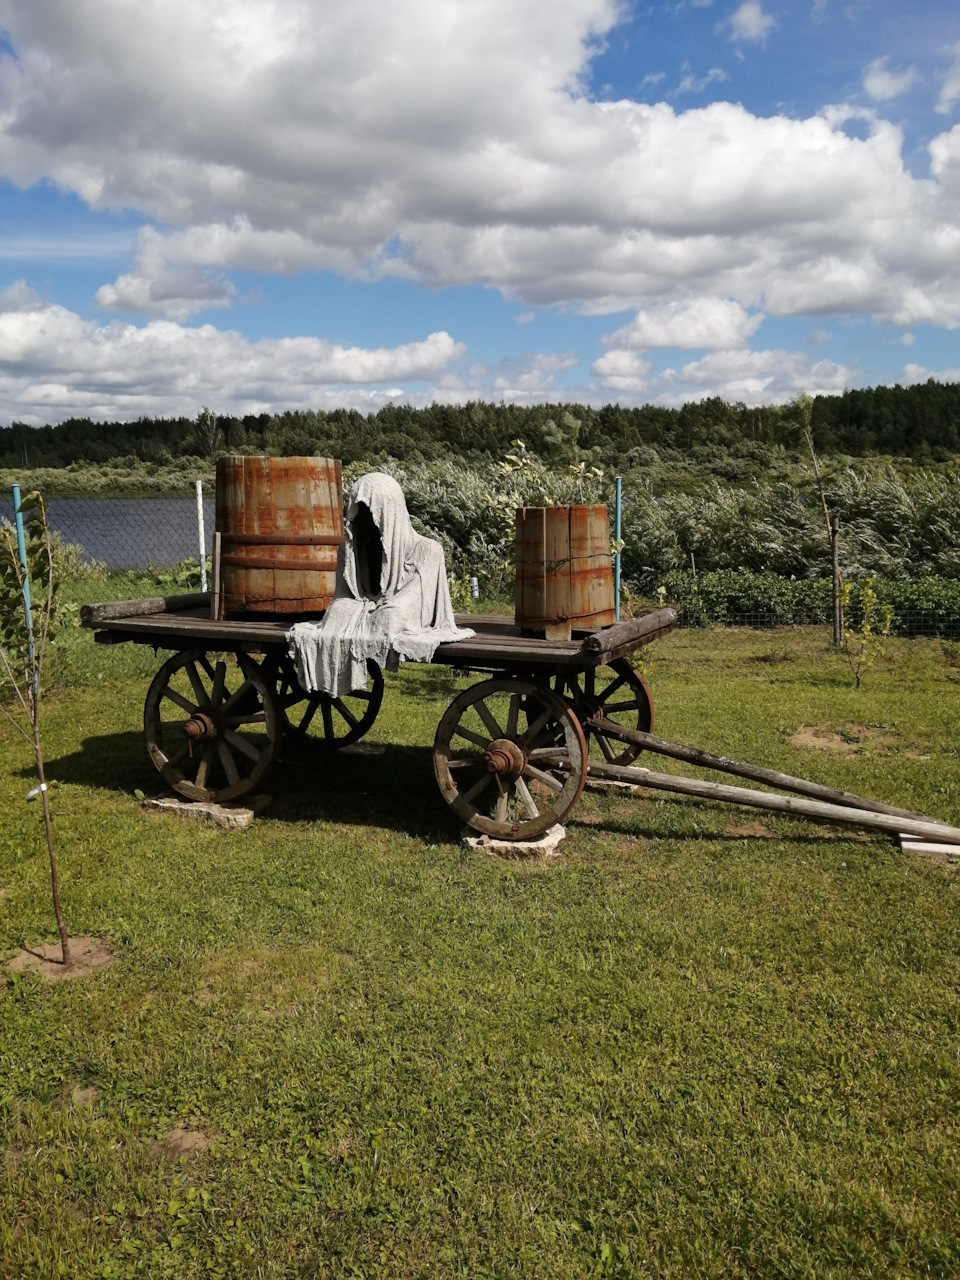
{"x": 505, "y": 758}
{"x": 200, "y": 726}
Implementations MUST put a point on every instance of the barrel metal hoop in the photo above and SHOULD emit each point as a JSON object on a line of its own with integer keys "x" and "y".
{"x": 280, "y": 540}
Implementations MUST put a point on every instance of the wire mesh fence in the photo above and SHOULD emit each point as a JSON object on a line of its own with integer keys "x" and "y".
{"x": 907, "y": 622}
{"x": 159, "y": 533}
{"x": 131, "y": 533}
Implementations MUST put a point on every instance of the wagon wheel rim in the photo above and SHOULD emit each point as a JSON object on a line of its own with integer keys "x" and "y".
{"x": 212, "y": 727}
{"x": 510, "y": 758}
{"x": 317, "y": 719}
{"x": 619, "y": 693}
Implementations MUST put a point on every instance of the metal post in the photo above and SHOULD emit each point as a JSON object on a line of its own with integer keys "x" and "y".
{"x": 201, "y": 534}
{"x": 617, "y": 504}
{"x": 27, "y": 606}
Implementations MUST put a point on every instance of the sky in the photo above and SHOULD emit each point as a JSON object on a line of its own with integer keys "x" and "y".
{"x": 283, "y": 204}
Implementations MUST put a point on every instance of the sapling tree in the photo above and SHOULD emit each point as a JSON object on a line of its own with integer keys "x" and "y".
{"x": 865, "y": 644}
{"x": 26, "y": 630}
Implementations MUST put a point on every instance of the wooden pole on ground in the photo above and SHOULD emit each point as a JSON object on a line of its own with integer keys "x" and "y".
{"x": 704, "y": 760}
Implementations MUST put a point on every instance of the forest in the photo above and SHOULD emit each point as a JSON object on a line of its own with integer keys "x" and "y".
{"x": 920, "y": 422}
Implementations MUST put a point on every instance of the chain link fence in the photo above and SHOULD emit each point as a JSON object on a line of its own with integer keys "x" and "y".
{"x": 908, "y": 622}
{"x": 131, "y": 533}
{"x": 159, "y": 533}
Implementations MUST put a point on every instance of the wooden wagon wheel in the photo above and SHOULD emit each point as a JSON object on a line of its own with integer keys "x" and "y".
{"x": 510, "y": 758}
{"x": 212, "y": 728}
{"x": 617, "y": 692}
{"x": 317, "y": 719}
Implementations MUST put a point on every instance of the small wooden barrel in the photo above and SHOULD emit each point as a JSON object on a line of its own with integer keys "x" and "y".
{"x": 564, "y": 571}
{"x": 280, "y": 522}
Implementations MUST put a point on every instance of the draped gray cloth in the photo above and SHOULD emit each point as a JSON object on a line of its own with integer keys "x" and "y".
{"x": 393, "y": 612}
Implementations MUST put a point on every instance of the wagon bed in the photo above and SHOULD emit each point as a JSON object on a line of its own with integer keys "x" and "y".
{"x": 510, "y": 754}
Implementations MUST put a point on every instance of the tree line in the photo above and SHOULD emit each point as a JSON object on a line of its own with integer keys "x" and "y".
{"x": 921, "y": 422}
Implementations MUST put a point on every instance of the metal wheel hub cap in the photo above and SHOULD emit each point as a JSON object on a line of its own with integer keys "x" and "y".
{"x": 505, "y": 758}
{"x": 200, "y": 726}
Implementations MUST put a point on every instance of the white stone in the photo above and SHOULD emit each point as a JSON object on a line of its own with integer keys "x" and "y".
{"x": 231, "y": 817}
{"x": 546, "y": 846}
{"x": 614, "y": 788}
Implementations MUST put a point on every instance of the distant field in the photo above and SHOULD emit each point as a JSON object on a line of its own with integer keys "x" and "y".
{"x": 702, "y": 1042}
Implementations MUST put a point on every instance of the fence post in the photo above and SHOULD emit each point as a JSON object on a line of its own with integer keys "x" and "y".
{"x": 835, "y": 557}
{"x": 201, "y": 534}
{"x": 22, "y": 553}
{"x": 617, "y": 505}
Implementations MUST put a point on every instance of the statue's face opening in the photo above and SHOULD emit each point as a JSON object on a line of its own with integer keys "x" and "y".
{"x": 369, "y": 550}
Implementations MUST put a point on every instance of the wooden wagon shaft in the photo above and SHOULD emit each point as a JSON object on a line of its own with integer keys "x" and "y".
{"x": 796, "y": 805}
{"x": 785, "y": 781}
{"x": 93, "y": 613}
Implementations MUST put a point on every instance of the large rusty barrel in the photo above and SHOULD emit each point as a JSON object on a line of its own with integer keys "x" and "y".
{"x": 280, "y": 522}
{"x": 564, "y": 570}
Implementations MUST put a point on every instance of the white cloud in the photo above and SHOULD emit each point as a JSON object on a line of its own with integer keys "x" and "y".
{"x": 622, "y": 371}
{"x": 908, "y": 339}
{"x": 54, "y": 362}
{"x": 454, "y": 144}
{"x": 950, "y": 89}
{"x": 696, "y": 84}
{"x": 882, "y": 84}
{"x": 749, "y": 22}
{"x": 701, "y": 322}
{"x": 755, "y": 377}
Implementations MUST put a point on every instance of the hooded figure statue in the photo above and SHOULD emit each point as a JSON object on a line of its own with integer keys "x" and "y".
{"x": 391, "y": 601}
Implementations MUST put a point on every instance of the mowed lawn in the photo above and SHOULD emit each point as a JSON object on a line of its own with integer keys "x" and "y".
{"x": 704, "y": 1041}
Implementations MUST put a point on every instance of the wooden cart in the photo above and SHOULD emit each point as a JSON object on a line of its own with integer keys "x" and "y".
{"x": 511, "y": 752}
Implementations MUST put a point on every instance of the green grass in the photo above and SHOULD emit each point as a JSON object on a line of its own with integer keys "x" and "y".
{"x": 675, "y": 1051}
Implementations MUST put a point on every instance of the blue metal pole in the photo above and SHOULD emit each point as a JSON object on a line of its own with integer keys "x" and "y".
{"x": 617, "y": 505}
{"x": 22, "y": 553}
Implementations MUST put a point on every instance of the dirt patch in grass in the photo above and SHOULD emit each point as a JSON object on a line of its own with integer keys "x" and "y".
{"x": 847, "y": 738}
{"x": 267, "y": 978}
{"x": 85, "y": 1096}
{"x": 86, "y": 956}
{"x": 755, "y": 830}
{"x": 183, "y": 1144}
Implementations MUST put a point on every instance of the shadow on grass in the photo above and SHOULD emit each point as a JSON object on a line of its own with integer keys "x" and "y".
{"x": 394, "y": 789}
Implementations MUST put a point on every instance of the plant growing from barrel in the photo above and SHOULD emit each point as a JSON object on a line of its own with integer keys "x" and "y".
{"x": 26, "y": 632}
{"x": 865, "y": 643}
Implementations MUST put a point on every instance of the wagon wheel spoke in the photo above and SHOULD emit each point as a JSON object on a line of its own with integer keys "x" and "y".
{"x": 535, "y": 729}
{"x": 327, "y": 719}
{"x": 200, "y": 779}
{"x": 502, "y": 801}
{"x": 462, "y": 732}
{"x": 219, "y": 678}
{"x": 241, "y": 744}
{"x": 183, "y": 703}
{"x": 605, "y": 747}
{"x": 237, "y": 695}
{"x": 478, "y": 786}
{"x": 182, "y": 754}
{"x": 489, "y": 720}
{"x": 203, "y": 661}
{"x": 308, "y": 715}
{"x": 203, "y": 698}
{"x": 346, "y": 713}
{"x": 228, "y": 762}
{"x": 547, "y": 779}
{"x": 256, "y": 717}
{"x": 513, "y": 714}
{"x": 529, "y": 803}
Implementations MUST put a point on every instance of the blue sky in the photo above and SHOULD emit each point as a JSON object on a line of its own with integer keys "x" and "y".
{"x": 286, "y": 203}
